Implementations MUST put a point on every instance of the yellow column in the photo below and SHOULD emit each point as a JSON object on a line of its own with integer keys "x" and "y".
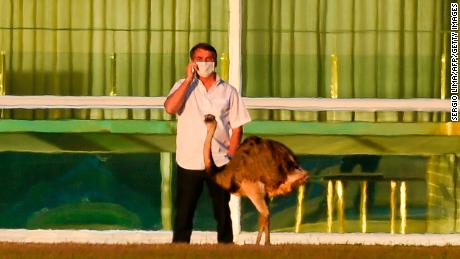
{"x": 166, "y": 193}
{"x": 334, "y": 86}
{"x": 393, "y": 206}
{"x": 402, "y": 207}
{"x": 224, "y": 63}
{"x": 113, "y": 75}
{"x": 110, "y": 114}
{"x": 2, "y": 78}
{"x": 330, "y": 204}
{"x": 298, "y": 216}
{"x": 340, "y": 205}
{"x": 363, "y": 210}
{"x": 444, "y": 73}
{"x": 2, "y": 73}
{"x": 334, "y": 77}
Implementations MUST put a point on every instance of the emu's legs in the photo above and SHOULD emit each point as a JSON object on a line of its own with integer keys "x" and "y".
{"x": 256, "y": 193}
{"x": 264, "y": 226}
{"x": 265, "y": 223}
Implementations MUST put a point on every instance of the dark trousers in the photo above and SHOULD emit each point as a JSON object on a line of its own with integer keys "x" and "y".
{"x": 189, "y": 187}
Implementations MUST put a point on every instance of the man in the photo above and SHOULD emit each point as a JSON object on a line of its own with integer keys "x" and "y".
{"x": 203, "y": 92}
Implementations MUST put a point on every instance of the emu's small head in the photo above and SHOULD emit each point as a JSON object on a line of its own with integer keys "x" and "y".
{"x": 210, "y": 121}
{"x": 209, "y": 118}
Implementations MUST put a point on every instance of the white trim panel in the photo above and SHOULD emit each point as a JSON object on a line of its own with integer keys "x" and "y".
{"x": 234, "y": 43}
{"x": 208, "y": 237}
{"x": 304, "y": 104}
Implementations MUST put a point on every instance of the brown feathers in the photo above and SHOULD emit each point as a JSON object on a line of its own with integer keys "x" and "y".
{"x": 261, "y": 168}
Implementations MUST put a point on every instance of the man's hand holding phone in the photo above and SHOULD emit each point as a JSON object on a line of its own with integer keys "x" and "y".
{"x": 191, "y": 70}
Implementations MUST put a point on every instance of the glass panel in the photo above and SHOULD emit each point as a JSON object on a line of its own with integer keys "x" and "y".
{"x": 80, "y": 191}
{"x": 431, "y": 191}
{"x": 294, "y": 48}
{"x": 344, "y": 49}
{"x": 87, "y": 191}
{"x": 65, "y": 47}
{"x": 123, "y": 191}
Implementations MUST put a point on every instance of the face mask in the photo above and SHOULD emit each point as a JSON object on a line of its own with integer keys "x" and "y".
{"x": 205, "y": 68}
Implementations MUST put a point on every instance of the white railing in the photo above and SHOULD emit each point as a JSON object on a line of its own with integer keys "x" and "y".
{"x": 305, "y": 104}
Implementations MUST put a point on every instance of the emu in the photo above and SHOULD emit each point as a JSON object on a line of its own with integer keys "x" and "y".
{"x": 260, "y": 169}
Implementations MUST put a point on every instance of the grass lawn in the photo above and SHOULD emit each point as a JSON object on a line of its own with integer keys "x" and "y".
{"x": 70, "y": 250}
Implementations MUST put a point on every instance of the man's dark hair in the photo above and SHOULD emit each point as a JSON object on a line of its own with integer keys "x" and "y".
{"x": 204, "y": 46}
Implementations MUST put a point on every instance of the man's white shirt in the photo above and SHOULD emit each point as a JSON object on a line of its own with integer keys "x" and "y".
{"x": 225, "y": 103}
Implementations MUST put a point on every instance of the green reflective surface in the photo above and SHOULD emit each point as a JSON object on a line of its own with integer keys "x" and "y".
{"x": 79, "y": 191}
{"x": 123, "y": 191}
{"x": 431, "y": 187}
{"x": 106, "y": 174}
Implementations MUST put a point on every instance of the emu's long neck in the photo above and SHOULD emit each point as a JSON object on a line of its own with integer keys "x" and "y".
{"x": 208, "y": 163}
{"x": 222, "y": 178}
